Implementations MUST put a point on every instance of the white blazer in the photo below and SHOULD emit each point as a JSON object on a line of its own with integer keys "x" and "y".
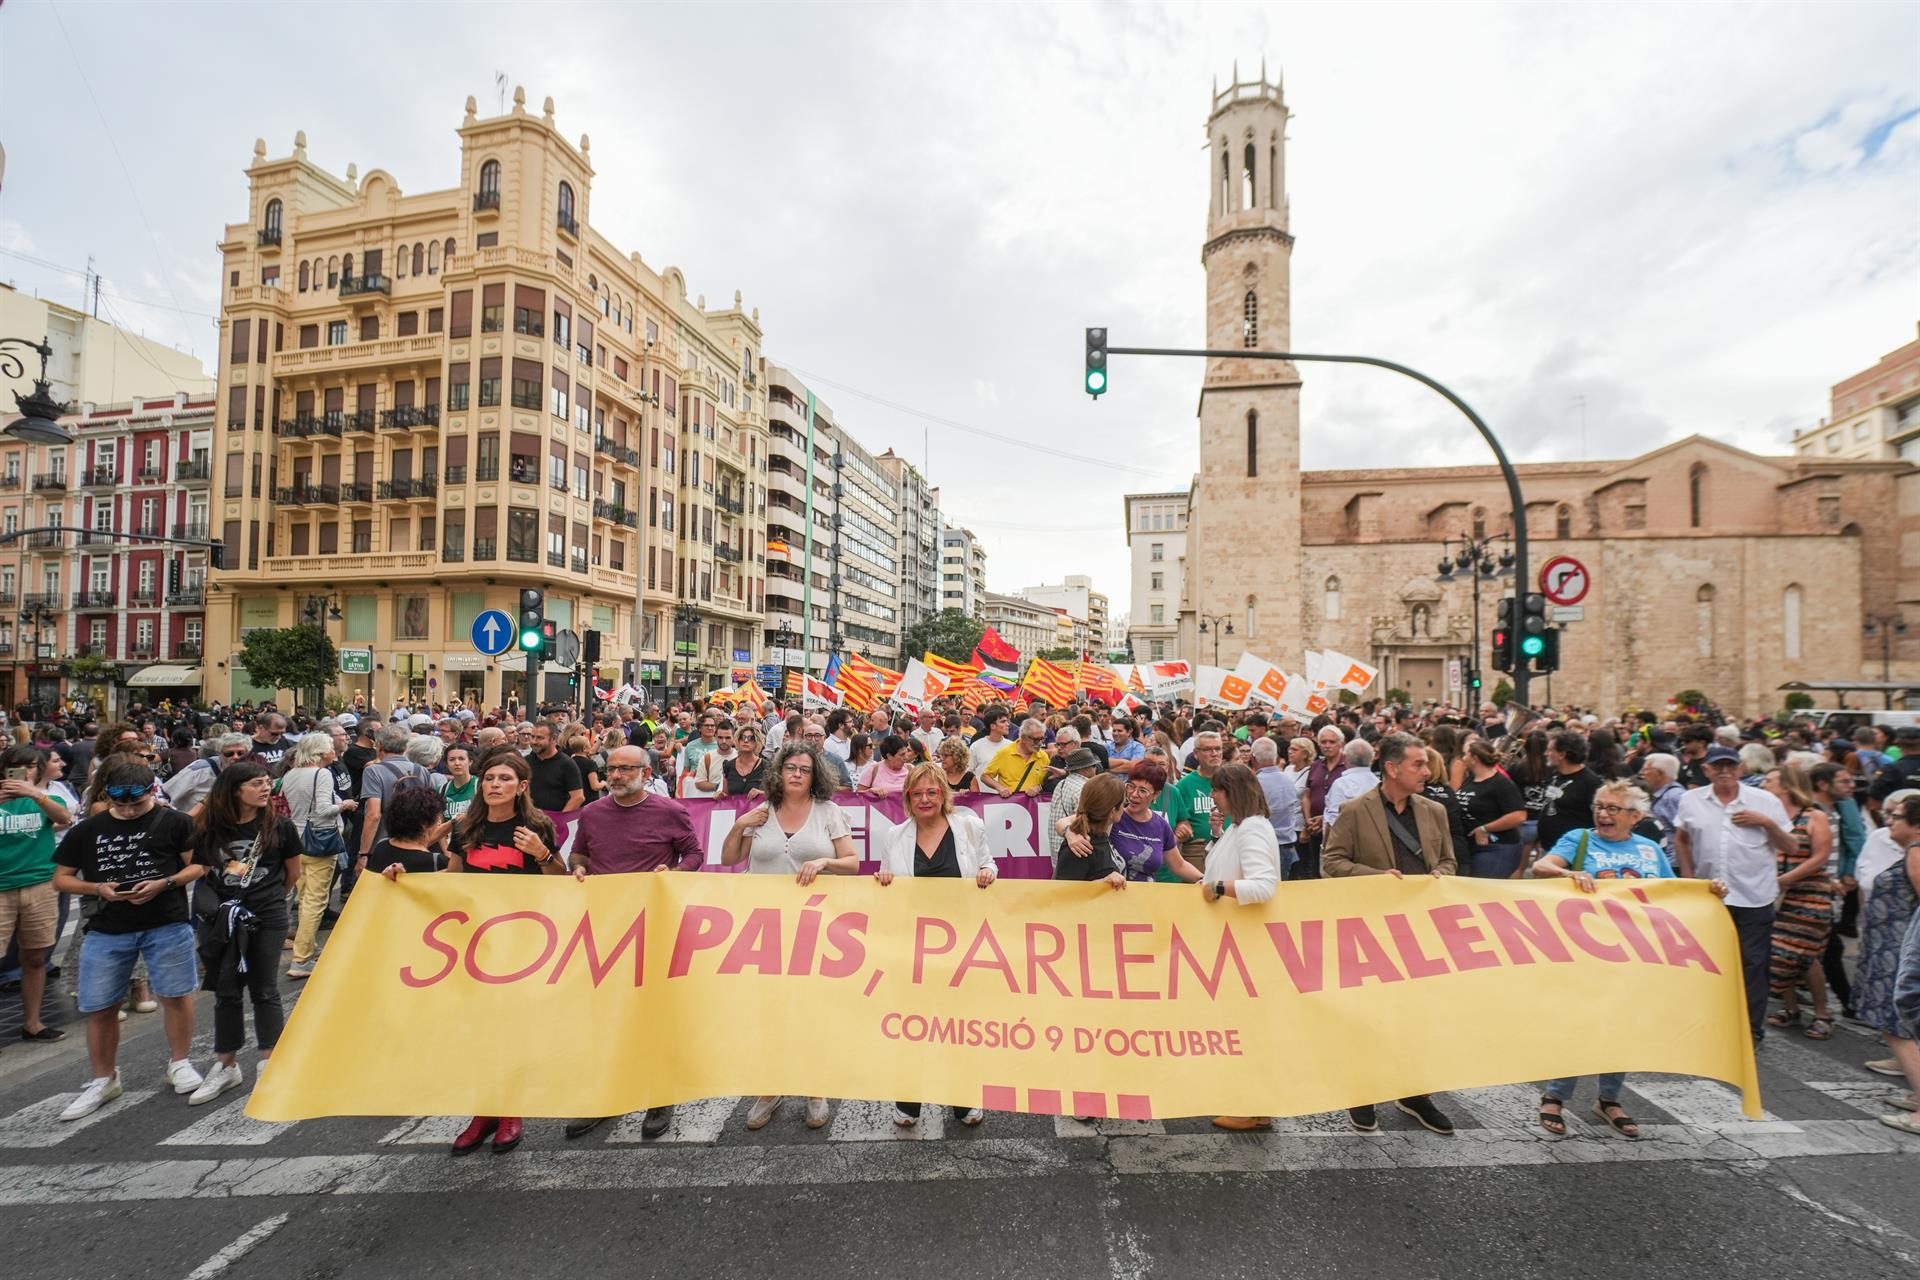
{"x": 897, "y": 846}
{"x": 1249, "y": 855}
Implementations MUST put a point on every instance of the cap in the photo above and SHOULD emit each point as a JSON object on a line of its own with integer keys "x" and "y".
{"x": 347, "y": 719}
{"x": 1907, "y": 733}
{"x": 1081, "y": 758}
{"x": 420, "y": 721}
{"x": 1716, "y": 754}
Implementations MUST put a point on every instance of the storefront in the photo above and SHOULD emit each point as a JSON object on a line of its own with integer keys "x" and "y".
{"x": 173, "y": 681}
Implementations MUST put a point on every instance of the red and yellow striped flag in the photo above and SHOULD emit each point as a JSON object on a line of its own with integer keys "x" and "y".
{"x": 856, "y": 691}
{"x": 958, "y": 674}
{"x": 796, "y": 683}
{"x": 1135, "y": 683}
{"x": 1095, "y": 678}
{"x": 884, "y": 679}
{"x": 1045, "y": 680}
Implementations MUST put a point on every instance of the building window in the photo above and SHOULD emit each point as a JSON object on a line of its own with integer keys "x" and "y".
{"x": 1790, "y": 621}
{"x": 273, "y": 221}
{"x": 1253, "y": 443}
{"x": 1330, "y": 600}
{"x": 1703, "y": 620}
{"x": 566, "y": 220}
{"x": 1156, "y": 614}
{"x": 1563, "y": 522}
{"x": 303, "y": 277}
{"x": 1696, "y": 494}
{"x": 1250, "y": 321}
{"x": 1157, "y": 552}
{"x": 1479, "y": 523}
{"x": 1158, "y": 649}
{"x": 490, "y": 183}
{"x": 1159, "y": 581}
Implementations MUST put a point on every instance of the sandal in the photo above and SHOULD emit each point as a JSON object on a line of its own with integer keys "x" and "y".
{"x": 1819, "y": 1029}
{"x": 1784, "y": 1018}
{"x": 1620, "y": 1123}
{"x": 1554, "y": 1122}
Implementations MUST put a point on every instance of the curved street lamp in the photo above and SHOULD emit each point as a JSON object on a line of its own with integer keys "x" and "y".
{"x": 40, "y": 413}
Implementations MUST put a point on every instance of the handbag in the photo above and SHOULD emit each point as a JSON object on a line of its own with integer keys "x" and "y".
{"x": 314, "y": 842}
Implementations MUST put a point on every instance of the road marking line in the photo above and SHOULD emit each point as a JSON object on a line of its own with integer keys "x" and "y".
{"x": 40, "y": 1125}
{"x": 858, "y": 1121}
{"x": 1704, "y": 1104}
{"x": 425, "y": 1131}
{"x": 1068, "y": 1127}
{"x": 230, "y": 1126}
{"x": 1506, "y": 1107}
{"x": 629, "y": 1168}
{"x": 1862, "y": 1095}
{"x": 699, "y": 1121}
{"x": 240, "y": 1248}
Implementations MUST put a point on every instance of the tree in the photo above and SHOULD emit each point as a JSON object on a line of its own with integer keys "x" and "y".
{"x": 301, "y": 658}
{"x": 1059, "y": 653}
{"x": 950, "y": 633}
{"x": 1502, "y": 694}
{"x": 1799, "y": 700}
{"x": 1399, "y": 695}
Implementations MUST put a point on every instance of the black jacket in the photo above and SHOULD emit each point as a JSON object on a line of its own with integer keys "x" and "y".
{"x": 225, "y": 934}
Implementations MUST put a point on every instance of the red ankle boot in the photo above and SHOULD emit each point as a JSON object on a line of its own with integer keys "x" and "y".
{"x": 475, "y": 1133}
{"x": 508, "y": 1135}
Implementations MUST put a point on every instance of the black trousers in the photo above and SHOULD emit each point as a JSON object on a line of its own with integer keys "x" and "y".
{"x": 1755, "y": 927}
{"x": 1308, "y": 867}
{"x": 261, "y": 981}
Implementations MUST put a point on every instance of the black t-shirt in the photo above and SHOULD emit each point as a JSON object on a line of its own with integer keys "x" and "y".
{"x": 1098, "y": 865}
{"x": 494, "y": 850}
{"x": 1488, "y": 801}
{"x": 1569, "y": 805}
{"x": 269, "y": 752}
{"x": 944, "y": 864}
{"x": 1442, "y": 794}
{"x": 1693, "y": 773}
{"x": 553, "y": 779}
{"x": 754, "y": 779}
{"x": 260, "y": 883}
{"x": 413, "y": 861}
{"x": 356, "y": 758}
{"x": 156, "y": 844}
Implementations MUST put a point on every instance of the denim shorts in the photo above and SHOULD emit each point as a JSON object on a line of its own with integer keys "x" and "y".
{"x": 1529, "y": 832}
{"x": 106, "y": 964}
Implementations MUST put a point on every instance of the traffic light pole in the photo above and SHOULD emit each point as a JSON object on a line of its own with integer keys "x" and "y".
{"x": 1521, "y": 674}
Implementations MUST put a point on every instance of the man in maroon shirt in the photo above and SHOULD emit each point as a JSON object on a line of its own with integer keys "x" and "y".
{"x": 632, "y": 830}
{"x": 1320, "y": 775}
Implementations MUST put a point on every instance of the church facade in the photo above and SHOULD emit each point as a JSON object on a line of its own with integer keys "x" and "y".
{"x": 1711, "y": 568}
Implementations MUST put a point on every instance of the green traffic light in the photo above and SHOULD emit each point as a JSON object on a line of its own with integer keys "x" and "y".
{"x": 1096, "y": 381}
{"x": 530, "y": 640}
{"x": 1533, "y": 646}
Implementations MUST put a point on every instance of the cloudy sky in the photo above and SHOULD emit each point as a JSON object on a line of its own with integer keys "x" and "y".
{"x": 1608, "y": 226}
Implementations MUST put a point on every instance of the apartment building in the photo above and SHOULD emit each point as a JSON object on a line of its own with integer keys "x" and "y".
{"x": 919, "y": 525}
{"x": 1156, "y": 525}
{"x": 963, "y": 571}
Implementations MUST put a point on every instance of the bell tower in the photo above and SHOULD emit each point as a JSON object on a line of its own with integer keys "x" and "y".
{"x": 1243, "y": 548}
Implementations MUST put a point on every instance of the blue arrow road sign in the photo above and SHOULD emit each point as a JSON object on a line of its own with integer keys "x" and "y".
{"x": 493, "y": 632}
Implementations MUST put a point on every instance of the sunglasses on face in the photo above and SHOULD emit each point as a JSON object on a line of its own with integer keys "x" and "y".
{"x": 124, "y": 793}
{"x": 234, "y": 755}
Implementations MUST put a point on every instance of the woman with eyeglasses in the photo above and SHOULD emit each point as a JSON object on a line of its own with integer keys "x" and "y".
{"x": 1609, "y": 850}
{"x": 746, "y": 773}
{"x": 1143, "y": 837}
{"x": 503, "y": 834}
{"x": 886, "y": 774}
{"x": 187, "y": 790}
{"x": 800, "y": 832}
{"x": 252, "y": 857}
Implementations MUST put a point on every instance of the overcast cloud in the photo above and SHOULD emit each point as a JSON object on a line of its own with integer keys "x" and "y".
{"x": 1606, "y": 226}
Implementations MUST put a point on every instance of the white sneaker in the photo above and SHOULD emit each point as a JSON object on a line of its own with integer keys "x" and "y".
{"x": 904, "y": 1120}
{"x": 973, "y": 1117}
{"x": 761, "y": 1111}
{"x": 99, "y": 1092}
{"x": 183, "y": 1077}
{"x": 816, "y": 1113}
{"x": 218, "y": 1081}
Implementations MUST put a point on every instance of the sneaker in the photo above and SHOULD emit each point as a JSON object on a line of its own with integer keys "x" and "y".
{"x": 973, "y": 1117}
{"x": 1885, "y": 1067}
{"x": 1422, "y": 1109}
{"x": 1904, "y": 1122}
{"x": 656, "y": 1121}
{"x": 585, "y": 1125}
{"x": 300, "y": 970}
{"x": 183, "y": 1077}
{"x": 222, "y": 1078}
{"x": 904, "y": 1120}
{"x": 817, "y": 1113}
{"x": 1363, "y": 1119}
{"x": 99, "y": 1092}
{"x": 761, "y": 1111}
{"x": 1242, "y": 1124}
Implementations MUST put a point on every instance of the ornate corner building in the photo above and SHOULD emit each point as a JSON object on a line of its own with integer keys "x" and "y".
{"x": 427, "y": 402}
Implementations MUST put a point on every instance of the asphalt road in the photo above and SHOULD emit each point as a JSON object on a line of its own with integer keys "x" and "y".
{"x": 152, "y": 1188}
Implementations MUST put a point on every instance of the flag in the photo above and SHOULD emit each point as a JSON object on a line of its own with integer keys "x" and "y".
{"x": 755, "y": 696}
{"x": 1045, "y": 680}
{"x": 1216, "y": 686}
{"x": 856, "y": 691}
{"x": 992, "y": 649}
{"x": 882, "y": 678}
{"x": 778, "y": 547}
{"x": 818, "y": 694}
{"x": 1169, "y": 679}
{"x": 796, "y": 683}
{"x": 919, "y": 683}
{"x": 1343, "y": 672}
{"x": 950, "y": 671}
{"x": 1267, "y": 681}
{"x": 832, "y": 674}
{"x": 1094, "y": 678}
{"x": 1020, "y": 703}
{"x": 1134, "y": 682}
{"x": 993, "y": 679}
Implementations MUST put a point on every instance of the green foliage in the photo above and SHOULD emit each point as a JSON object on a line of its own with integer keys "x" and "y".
{"x": 1799, "y": 700}
{"x": 1502, "y": 694}
{"x": 1059, "y": 653}
{"x": 301, "y": 658}
{"x": 90, "y": 667}
{"x": 1399, "y": 695}
{"x": 950, "y": 633}
{"x": 1349, "y": 698}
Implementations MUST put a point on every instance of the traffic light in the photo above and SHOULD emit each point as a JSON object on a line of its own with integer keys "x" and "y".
{"x": 1503, "y": 636}
{"x": 533, "y": 618}
{"x": 549, "y": 638}
{"x": 1096, "y": 362}
{"x": 1548, "y": 659}
{"x": 1533, "y": 627}
{"x": 1473, "y": 681}
{"x": 590, "y": 648}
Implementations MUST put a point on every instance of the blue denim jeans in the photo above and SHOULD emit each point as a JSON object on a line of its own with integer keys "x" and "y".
{"x": 1611, "y": 1083}
{"x": 106, "y": 964}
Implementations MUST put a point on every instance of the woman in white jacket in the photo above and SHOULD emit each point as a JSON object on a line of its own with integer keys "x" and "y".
{"x": 936, "y": 841}
{"x": 1243, "y": 866}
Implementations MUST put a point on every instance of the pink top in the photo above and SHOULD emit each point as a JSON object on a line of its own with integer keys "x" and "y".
{"x": 882, "y": 781}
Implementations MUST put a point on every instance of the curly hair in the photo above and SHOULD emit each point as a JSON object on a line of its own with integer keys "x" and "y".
{"x": 820, "y": 786}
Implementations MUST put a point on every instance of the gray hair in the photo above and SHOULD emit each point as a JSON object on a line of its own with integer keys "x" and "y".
{"x": 1727, "y": 735}
{"x": 1631, "y": 797}
{"x": 425, "y": 750}
{"x": 1066, "y": 735}
{"x": 1265, "y": 752}
{"x": 1664, "y": 763}
{"x": 1358, "y": 754}
{"x": 1318, "y": 733}
{"x": 1031, "y": 723}
{"x": 1755, "y": 758}
{"x": 311, "y": 749}
{"x": 1804, "y": 759}
{"x": 393, "y": 738}
{"x": 228, "y": 741}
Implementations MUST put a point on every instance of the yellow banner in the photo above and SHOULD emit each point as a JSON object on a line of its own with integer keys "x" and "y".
{"x": 544, "y": 996}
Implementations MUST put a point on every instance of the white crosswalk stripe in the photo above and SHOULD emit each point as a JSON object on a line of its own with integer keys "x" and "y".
{"x": 425, "y": 1131}
{"x": 228, "y": 1126}
{"x": 700, "y": 1121}
{"x": 1068, "y": 1127}
{"x": 1503, "y": 1107}
{"x": 40, "y": 1125}
{"x": 1704, "y": 1104}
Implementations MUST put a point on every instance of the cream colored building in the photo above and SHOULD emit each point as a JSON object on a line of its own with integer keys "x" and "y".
{"x": 1711, "y": 568}
{"x": 919, "y": 524}
{"x": 429, "y": 401}
{"x": 93, "y": 362}
{"x": 1873, "y": 414}
{"x": 1027, "y": 626}
{"x": 1083, "y": 611}
{"x": 1156, "y": 526}
{"x": 963, "y": 571}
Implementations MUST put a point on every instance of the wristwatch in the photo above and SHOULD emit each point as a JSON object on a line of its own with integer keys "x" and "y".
{"x": 1219, "y": 888}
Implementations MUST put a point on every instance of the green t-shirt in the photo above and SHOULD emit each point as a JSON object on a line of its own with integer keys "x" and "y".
{"x": 458, "y": 798}
{"x": 1191, "y": 801}
{"x": 26, "y": 843}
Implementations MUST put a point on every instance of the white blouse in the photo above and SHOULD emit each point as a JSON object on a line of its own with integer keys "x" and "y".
{"x": 1249, "y": 856}
{"x": 897, "y": 845}
{"x": 773, "y": 852}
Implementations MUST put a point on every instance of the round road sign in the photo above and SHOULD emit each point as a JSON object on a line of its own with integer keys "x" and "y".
{"x": 1564, "y": 580}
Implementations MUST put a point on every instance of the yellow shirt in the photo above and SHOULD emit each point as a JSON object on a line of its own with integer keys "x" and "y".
{"x": 1008, "y": 766}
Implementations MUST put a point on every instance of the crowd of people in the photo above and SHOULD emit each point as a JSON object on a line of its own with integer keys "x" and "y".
{"x": 210, "y": 849}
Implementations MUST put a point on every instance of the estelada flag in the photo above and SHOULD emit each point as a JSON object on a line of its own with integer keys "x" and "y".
{"x": 856, "y": 691}
{"x": 753, "y": 694}
{"x": 1045, "y": 680}
{"x": 882, "y": 678}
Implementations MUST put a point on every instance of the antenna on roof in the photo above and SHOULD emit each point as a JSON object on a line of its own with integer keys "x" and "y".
{"x": 500, "y": 87}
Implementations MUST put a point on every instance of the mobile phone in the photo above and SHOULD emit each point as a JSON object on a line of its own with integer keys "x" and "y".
{"x": 17, "y": 774}
{"x": 126, "y": 886}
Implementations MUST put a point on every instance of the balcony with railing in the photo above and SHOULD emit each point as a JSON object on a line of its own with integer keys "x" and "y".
{"x": 453, "y": 554}
{"x": 486, "y": 548}
{"x": 188, "y": 649}
{"x": 11, "y": 481}
{"x": 424, "y": 487}
{"x": 306, "y": 495}
{"x": 145, "y": 597}
{"x": 191, "y": 593}
{"x": 356, "y": 286}
{"x": 305, "y": 425}
{"x": 578, "y": 561}
{"x": 8, "y": 597}
{"x": 618, "y": 452}
{"x": 486, "y": 472}
{"x": 195, "y": 470}
{"x": 485, "y": 200}
{"x": 725, "y": 552}
{"x": 524, "y": 471}
{"x": 53, "y": 538}
{"x": 569, "y": 224}
{"x": 146, "y": 529}
{"x": 50, "y": 482}
{"x": 94, "y": 600}
{"x": 150, "y": 475}
{"x": 359, "y": 420}
{"x": 456, "y": 473}
{"x": 405, "y": 419}
{"x": 359, "y": 491}
{"x": 269, "y": 236}
{"x": 557, "y": 559}
{"x": 38, "y": 600}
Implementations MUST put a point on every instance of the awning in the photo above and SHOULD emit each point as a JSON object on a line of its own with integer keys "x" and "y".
{"x": 165, "y": 675}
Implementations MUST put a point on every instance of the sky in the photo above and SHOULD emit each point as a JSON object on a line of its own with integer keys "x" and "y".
{"x": 1606, "y": 226}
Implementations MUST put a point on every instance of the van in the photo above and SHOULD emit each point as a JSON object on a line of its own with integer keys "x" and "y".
{"x": 1842, "y": 722}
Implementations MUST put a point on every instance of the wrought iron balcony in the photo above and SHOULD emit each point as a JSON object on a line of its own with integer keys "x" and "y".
{"x": 483, "y": 200}
{"x": 410, "y": 416}
{"x": 196, "y": 469}
{"x": 186, "y": 649}
{"x": 9, "y": 597}
{"x": 485, "y": 472}
{"x": 569, "y": 224}
{"x": 269, "y": 236}
{"x": 302, "y": 495}
{"x": 453, "y": 554}
{"x": 557, "y": 559}
{"x": 190, "y": 594}
{"x": 300, "y": 428}
{"x": 524, "y": 472}
{"x": 50, "y": 482}
{"x": 486, "y": 548}
{"x": 39, "y": 600}
{"x": 358, "y": 420}
{"x": 457, "y": 473}
{"x": 94, "y": 600}
{"x": 361, "y": 491}
{"x": 98, "y": 478}
{"x": 46, "y": 540}
{"x": 354, "y": 286}
{"x": 725, "y": 552}
{"x": 10, "y": 481}
{"x": 146, "y": 529}
{"x": 424, "y": 487}
{"x": 150, "y": 475}
{"x": 145, "y": 596}
{"x": 578, "y": 561}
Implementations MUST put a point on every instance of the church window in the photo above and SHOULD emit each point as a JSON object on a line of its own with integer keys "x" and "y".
{"x": 1696, "y": 494}
{"x": 1790, "y": 620}
{"x": 1563, "y": 522}
{"x": 1703, "y": 620}
{"x": 1248, "y": 200}
{"x": 1479, "y": 523}
{"x": 1253, "y": 618}
{"x": 1226, "y": 181}
{"x": 1273, "y": 177}
{"x": 1250, "y": 320}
